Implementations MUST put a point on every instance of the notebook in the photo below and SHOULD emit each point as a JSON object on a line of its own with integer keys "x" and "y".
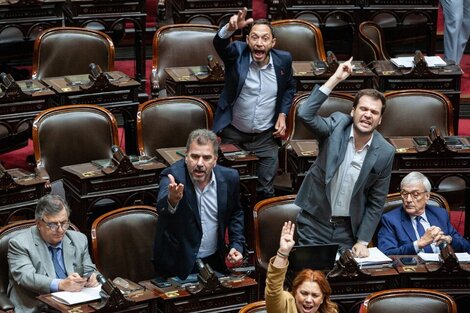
{"x": 315, "y": 257}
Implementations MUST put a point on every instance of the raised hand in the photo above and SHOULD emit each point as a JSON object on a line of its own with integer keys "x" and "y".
{"x": 286, "y": 242}
{"x": 175, "y": 191}
{"x": 238, "y": 21}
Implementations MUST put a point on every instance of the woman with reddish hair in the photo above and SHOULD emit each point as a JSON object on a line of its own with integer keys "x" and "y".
{"x": 310, "y": 289}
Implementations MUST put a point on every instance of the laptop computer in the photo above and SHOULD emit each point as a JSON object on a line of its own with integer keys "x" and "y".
{"x": 315, "y": 257}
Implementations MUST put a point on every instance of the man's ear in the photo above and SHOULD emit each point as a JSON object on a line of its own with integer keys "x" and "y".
{"x": 274, "y": 42}
{"x": 352, "y": 112}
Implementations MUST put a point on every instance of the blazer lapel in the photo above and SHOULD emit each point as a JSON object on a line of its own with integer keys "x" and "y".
{"x": 222, "y": 190}
{"x": 190, "y": 195}
{"x": 43, "y": 252}
{"x": 369, "y": 161}
{"x": 335, "y": 156}
{"x": 407, "y": 226}
{"x": 244, "y": 67}
{"x": 68, "y": 252}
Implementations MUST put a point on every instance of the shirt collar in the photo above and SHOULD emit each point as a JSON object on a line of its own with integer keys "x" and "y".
{"x": 368, "y": 143}
{"x": 270, "y": 63}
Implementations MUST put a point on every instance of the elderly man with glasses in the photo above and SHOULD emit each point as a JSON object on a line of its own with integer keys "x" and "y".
{"x": 416, "y": 226}
{"x": 48, "y": 257}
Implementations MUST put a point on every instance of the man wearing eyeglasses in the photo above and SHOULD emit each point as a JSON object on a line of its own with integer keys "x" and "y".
{"x": 416, "y": 226}
{"x": 48, "y": 257}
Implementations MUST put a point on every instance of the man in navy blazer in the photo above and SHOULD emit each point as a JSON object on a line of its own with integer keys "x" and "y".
{"x": 398, "y": 233}
{"x": 197, "y": 203}
{"x": 257, "y": 96}
{"x": 343, "y": 192}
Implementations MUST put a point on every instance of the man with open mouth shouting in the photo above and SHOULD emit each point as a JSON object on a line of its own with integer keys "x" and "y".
{"x": 257, "y": 95}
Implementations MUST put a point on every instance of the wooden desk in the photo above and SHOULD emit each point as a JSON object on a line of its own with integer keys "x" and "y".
{"x": 144, "y": 302}
{"x": 113, "y": 16}
{"x": 339, "y": 21}
{"x": 444, "y": 79}
{"x": 436, "y": 165}
{"x": 18, "y": 107}
{"x": 119, "y": 96}
{"x": 19, "y": 194}
{"x": 87, "y": 187}
{"x": 29, "y": 17}
{"x": 308, "y": 76}
{"x": 229, "y": 300}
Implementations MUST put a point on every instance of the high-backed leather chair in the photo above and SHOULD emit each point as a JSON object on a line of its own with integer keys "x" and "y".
{"x": 372, "y": 42}
{"x": 410, "y": 300}
{"x": 180, "y": 45}
{"x": 268, "y": 217}
{"x": 255, "y": 307}
{"x": 63, "y": 51}
{"x": 6, "y": 233}
{"x": 122, "y": 242}
{"x": 412, "y": 112}
{"x": 301, "y": 38}
{"x": 72, "y": 134}
{"x": 167, "y": 122}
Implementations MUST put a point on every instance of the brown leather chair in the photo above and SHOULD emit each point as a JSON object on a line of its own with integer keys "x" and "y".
{"x": 410, "y": 300}
{"x": 167, "y": 122}
{"x": 63, "y": 51}
{"x": 268, "y": 217}
{"x": 255, "y": 307}
{"x": 122, "y": 242}
{"x": 180, "y": 45}
{"x": 72, "y": 134}
{"x": 412, "y": 112}
{"x": 6, "y": 233}
{"x": 372, "y": 42}
{"x": 301, "y": 38}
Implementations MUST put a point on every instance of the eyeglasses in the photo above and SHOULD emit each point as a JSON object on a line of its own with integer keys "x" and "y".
{"x": 55, "y": 226}
{"x": 414, "y": 194}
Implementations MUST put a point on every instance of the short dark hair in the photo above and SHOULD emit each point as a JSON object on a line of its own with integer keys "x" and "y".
{"x": 374, "y": 94}
{"x": 263, "y": 21}
{"x": 203, "y": 136}
{"x": 50, "y": 205}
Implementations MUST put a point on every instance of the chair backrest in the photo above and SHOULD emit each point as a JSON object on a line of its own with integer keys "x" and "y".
{"x": 296, "y": 130}
{"x": 269, "y": 215}
{"x": 410, "y": 300}
{"x": 301, "y": 38}
{"x": 412, "y": 112}
{"x": 255, "y": 307}
{"x": 394, "y": 201}
{"x": 122, "y": 242}
{"x": 167, "y": 122}
{"x": 72, "y": 134}
{"x": 61, "y": 51}
{"x": 181, "y": 45}
{"x": 6, "y": 233}
{"x": 372, "y": 42}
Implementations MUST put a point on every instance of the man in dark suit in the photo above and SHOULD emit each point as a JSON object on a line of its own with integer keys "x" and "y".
{"x": 257, "y": 95}
{"x": 48, "y": 257}
{"x": 343, "y": 193}
{"x": 415, "y": 226}
{"x": 197, "y": 203}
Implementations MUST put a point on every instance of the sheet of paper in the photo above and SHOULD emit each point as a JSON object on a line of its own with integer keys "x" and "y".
{"x": 85, "y": 295}
{"x": 463, "y": 256}
{"x": 429, "y": 257}
{"x": 375, "y": 257}
{"x": 432, "y": 61}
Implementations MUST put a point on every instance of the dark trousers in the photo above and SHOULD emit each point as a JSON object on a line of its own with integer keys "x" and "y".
{"x": 265, "y": 147}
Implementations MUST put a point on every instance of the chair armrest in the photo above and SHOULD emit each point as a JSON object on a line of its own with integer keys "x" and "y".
{"x": 5, "y": 303}
{"x": 154, "y": 85}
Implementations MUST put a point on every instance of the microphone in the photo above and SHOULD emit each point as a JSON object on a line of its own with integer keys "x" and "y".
{"x": 118, "y": 155}
{"x": 199, "y": 264}
{"x": 95, "y": 70}
{"x": 100, "y": 278}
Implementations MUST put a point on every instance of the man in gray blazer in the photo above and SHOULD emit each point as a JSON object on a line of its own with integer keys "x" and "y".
{"x": 343, "y": 193}
{"x": 48, "y": 257}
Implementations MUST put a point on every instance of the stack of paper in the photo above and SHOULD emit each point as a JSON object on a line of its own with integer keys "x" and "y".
{"x": 71, "y": 298}
{"x": 376, "y": 258}
{"x": 432, "y": 61}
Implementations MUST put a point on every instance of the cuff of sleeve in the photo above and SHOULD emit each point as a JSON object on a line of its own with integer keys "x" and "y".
{"x": 224, "y": 33}
{"x": 55, "y": 285}
{"x": 172, "y": 209}
{"x": 325, "y": 90}
{"x": 415, "y": 245}
{"x": 362, "y": 242}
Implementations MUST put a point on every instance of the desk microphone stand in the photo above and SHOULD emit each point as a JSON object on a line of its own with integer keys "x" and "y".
{"x": 347, "y": 267}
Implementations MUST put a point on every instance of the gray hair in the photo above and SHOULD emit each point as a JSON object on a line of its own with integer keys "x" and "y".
{"x": 50, "y": 205}
{"x": 203, "y": 136}
{"x": 416, "y": 178}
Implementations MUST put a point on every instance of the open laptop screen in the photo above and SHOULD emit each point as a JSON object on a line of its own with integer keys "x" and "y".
{"x": 315, "y": 257}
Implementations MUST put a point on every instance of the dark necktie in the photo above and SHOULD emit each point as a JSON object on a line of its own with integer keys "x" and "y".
{"x": 420, "y": 229}
{"x": 59, "y": 271}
